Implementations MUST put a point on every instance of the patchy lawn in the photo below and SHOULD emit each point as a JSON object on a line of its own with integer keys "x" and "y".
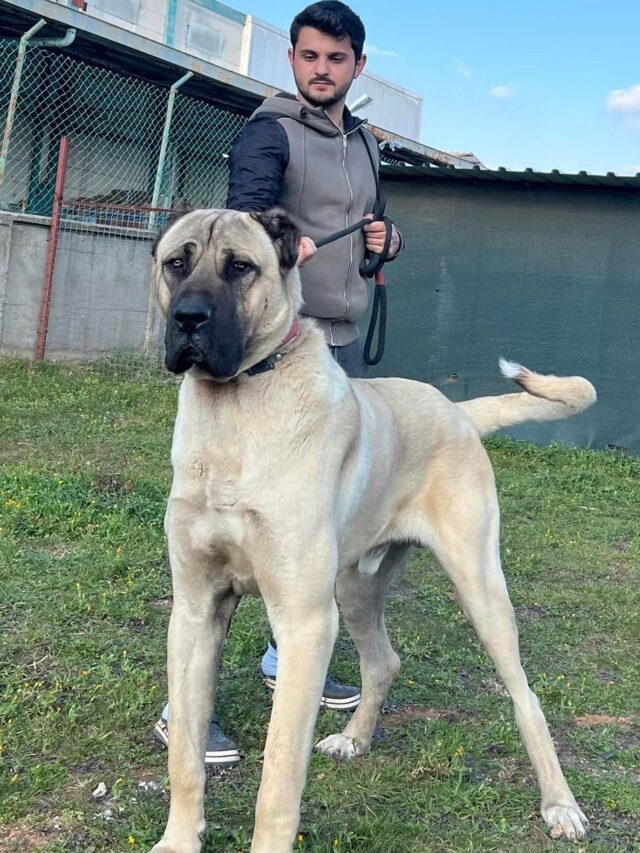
{"x": 84, "y": 606}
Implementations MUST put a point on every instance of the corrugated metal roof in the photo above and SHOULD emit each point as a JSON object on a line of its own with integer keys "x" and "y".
{"x": 392, "y": 164}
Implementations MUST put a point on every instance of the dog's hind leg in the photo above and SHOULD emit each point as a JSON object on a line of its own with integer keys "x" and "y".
{"x": 203, "y": 604}
{"x": 461, "y": 513}
{"x": 362, "y": 598}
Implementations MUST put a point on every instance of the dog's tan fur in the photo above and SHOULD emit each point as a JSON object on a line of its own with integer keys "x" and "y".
{"x": 308, "y": 489}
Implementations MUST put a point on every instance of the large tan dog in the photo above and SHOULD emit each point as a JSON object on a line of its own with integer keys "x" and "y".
{"x": 295, "y": 483}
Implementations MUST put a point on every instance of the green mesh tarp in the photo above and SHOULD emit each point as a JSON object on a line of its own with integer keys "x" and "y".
{"x": 548, "y": 277}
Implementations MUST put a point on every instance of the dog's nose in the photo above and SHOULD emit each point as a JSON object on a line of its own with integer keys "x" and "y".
{"x": 191, "y": 312}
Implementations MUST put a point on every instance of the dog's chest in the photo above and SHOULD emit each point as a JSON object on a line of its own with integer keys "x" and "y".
{"x": 218, "y": 459}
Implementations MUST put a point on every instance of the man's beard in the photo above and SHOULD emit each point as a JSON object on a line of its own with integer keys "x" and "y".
{"x": 325, "y": 99}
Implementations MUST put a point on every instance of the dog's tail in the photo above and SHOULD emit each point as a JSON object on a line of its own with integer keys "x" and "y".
{"x": 545, "y": 398}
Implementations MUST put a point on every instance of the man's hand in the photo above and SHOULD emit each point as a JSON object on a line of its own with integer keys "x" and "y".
{"x": 375, "y": 235}
{"x": 306, "y": 250}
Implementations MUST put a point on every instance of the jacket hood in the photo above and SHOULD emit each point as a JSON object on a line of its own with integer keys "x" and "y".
{"x": 284, "y": 105}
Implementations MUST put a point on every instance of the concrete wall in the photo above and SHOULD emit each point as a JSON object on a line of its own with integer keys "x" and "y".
{"x": 100, "y": 300}
{"x": 23, "y": 252}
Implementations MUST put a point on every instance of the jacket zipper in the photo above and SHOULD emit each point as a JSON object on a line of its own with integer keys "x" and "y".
{"x": 346, "y": 222}
{"x": 346, "y": 218}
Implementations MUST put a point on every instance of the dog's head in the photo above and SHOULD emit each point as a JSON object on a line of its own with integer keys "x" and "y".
{"x": 228, "y": 285}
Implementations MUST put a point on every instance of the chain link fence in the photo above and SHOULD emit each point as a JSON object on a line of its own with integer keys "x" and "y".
{"x": 115, "y": 128}
{"x": 135, "y": 151}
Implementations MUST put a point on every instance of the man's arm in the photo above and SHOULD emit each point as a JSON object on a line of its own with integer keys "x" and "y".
{"x": 257, "y": 163}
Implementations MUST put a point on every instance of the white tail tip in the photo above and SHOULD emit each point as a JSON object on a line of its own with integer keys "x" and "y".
{"x": 511, "y": 369}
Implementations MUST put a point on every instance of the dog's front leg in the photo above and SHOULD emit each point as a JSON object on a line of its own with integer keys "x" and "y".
{"x": 203, "y": 604}
{"x": 304, "y": 620}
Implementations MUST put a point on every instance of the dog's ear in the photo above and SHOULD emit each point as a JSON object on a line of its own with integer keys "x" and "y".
{"x": 284, "y": 233}
{"x": 178, "y": 212}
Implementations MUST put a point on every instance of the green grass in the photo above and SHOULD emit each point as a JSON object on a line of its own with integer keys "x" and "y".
{"x": 84, "y": 606}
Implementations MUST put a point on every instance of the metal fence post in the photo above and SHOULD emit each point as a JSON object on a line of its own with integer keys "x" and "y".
{"x": 164, "y": 145}
{"x": 13, "y": 99}
{"x": 45, "y": 303}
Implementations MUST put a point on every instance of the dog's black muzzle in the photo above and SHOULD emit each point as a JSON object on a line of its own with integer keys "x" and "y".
{"x": 203, "y": 330}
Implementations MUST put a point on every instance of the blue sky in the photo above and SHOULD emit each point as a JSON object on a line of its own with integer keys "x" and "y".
{"x": 521, "y": 83}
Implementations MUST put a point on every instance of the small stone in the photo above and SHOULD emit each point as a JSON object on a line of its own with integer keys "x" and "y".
{"x": 100, "y": 792}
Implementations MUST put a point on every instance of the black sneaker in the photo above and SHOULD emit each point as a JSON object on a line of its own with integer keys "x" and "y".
{"x": 219, "y": 752}
{"x": 338, "y": 697}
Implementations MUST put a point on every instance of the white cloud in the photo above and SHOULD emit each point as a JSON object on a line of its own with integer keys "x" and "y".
{"x": 503, "y": 92}
{"x": 625, "y": 100}
{"x": 630, "y": 171}
{"x": 374, "y": 50}
{"x": 463, "y": 70}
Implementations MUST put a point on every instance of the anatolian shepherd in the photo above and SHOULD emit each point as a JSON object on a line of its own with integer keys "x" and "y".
{"x": 297, "y": 484}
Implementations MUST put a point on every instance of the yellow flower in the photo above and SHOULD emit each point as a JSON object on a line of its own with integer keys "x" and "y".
{"x": 131, "y": 839}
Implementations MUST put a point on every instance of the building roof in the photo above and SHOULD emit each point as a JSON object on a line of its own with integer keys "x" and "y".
{"x": 393, "y": 166}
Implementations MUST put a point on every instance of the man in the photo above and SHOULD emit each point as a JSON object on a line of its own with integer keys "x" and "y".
{"x": 307, "y": 154}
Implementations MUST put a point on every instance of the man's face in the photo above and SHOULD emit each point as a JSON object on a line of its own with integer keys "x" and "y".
{"x": 323, "y": 67}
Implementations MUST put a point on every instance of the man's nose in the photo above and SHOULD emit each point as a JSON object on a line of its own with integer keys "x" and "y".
{"x": 321, "y": 67}
{"x": 192, "y": 312}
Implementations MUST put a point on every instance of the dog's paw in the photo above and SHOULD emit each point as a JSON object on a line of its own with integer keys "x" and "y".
{"x": 566, "y": 821}
{"x": 338, "y": 746}
{"x": 185, "y": 841}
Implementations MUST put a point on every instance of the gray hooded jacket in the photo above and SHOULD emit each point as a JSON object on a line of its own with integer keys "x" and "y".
{"x": 296, "y": 157}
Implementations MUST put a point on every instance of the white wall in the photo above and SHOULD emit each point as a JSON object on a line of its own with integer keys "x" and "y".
{"x": 145, "y": 17}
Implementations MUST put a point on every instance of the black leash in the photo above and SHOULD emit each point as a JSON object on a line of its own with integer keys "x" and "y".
{"x": 338, "y": 235}
{"x": 371, "y": 267}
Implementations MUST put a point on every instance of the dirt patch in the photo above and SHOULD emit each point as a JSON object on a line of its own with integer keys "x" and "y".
{"x": 22, "y": 838}
{"x": 91, "y": 765}
{"x": 620, "y": 545}
{"x": 413, "y": 712}
{"x": 530, "y": 612}
{"x": 600, "y": 720}
{"x": 494, "y": 685}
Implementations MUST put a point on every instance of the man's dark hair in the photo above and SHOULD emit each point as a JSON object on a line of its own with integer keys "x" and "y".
{"x": 333, "y": 19}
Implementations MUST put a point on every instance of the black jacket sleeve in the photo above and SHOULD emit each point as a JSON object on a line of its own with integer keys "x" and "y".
{"x": 257, "y": 164}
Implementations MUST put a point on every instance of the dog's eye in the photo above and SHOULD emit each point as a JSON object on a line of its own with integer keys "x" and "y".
{"x": 176, "y": 263}
{"x": 240, "y": 266}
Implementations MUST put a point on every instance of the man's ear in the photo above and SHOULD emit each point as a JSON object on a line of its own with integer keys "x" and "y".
{"x": 178, "y": 212}
{"x": 284, "y": 233}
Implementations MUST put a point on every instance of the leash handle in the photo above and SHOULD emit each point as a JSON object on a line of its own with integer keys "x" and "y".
{"x": 378, "y": 317}
{"x": 372, "y": 264}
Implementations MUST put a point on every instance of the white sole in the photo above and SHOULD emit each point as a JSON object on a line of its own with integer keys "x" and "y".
{"x": 346, "y": 704}
{"x": 222, "y": 758}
